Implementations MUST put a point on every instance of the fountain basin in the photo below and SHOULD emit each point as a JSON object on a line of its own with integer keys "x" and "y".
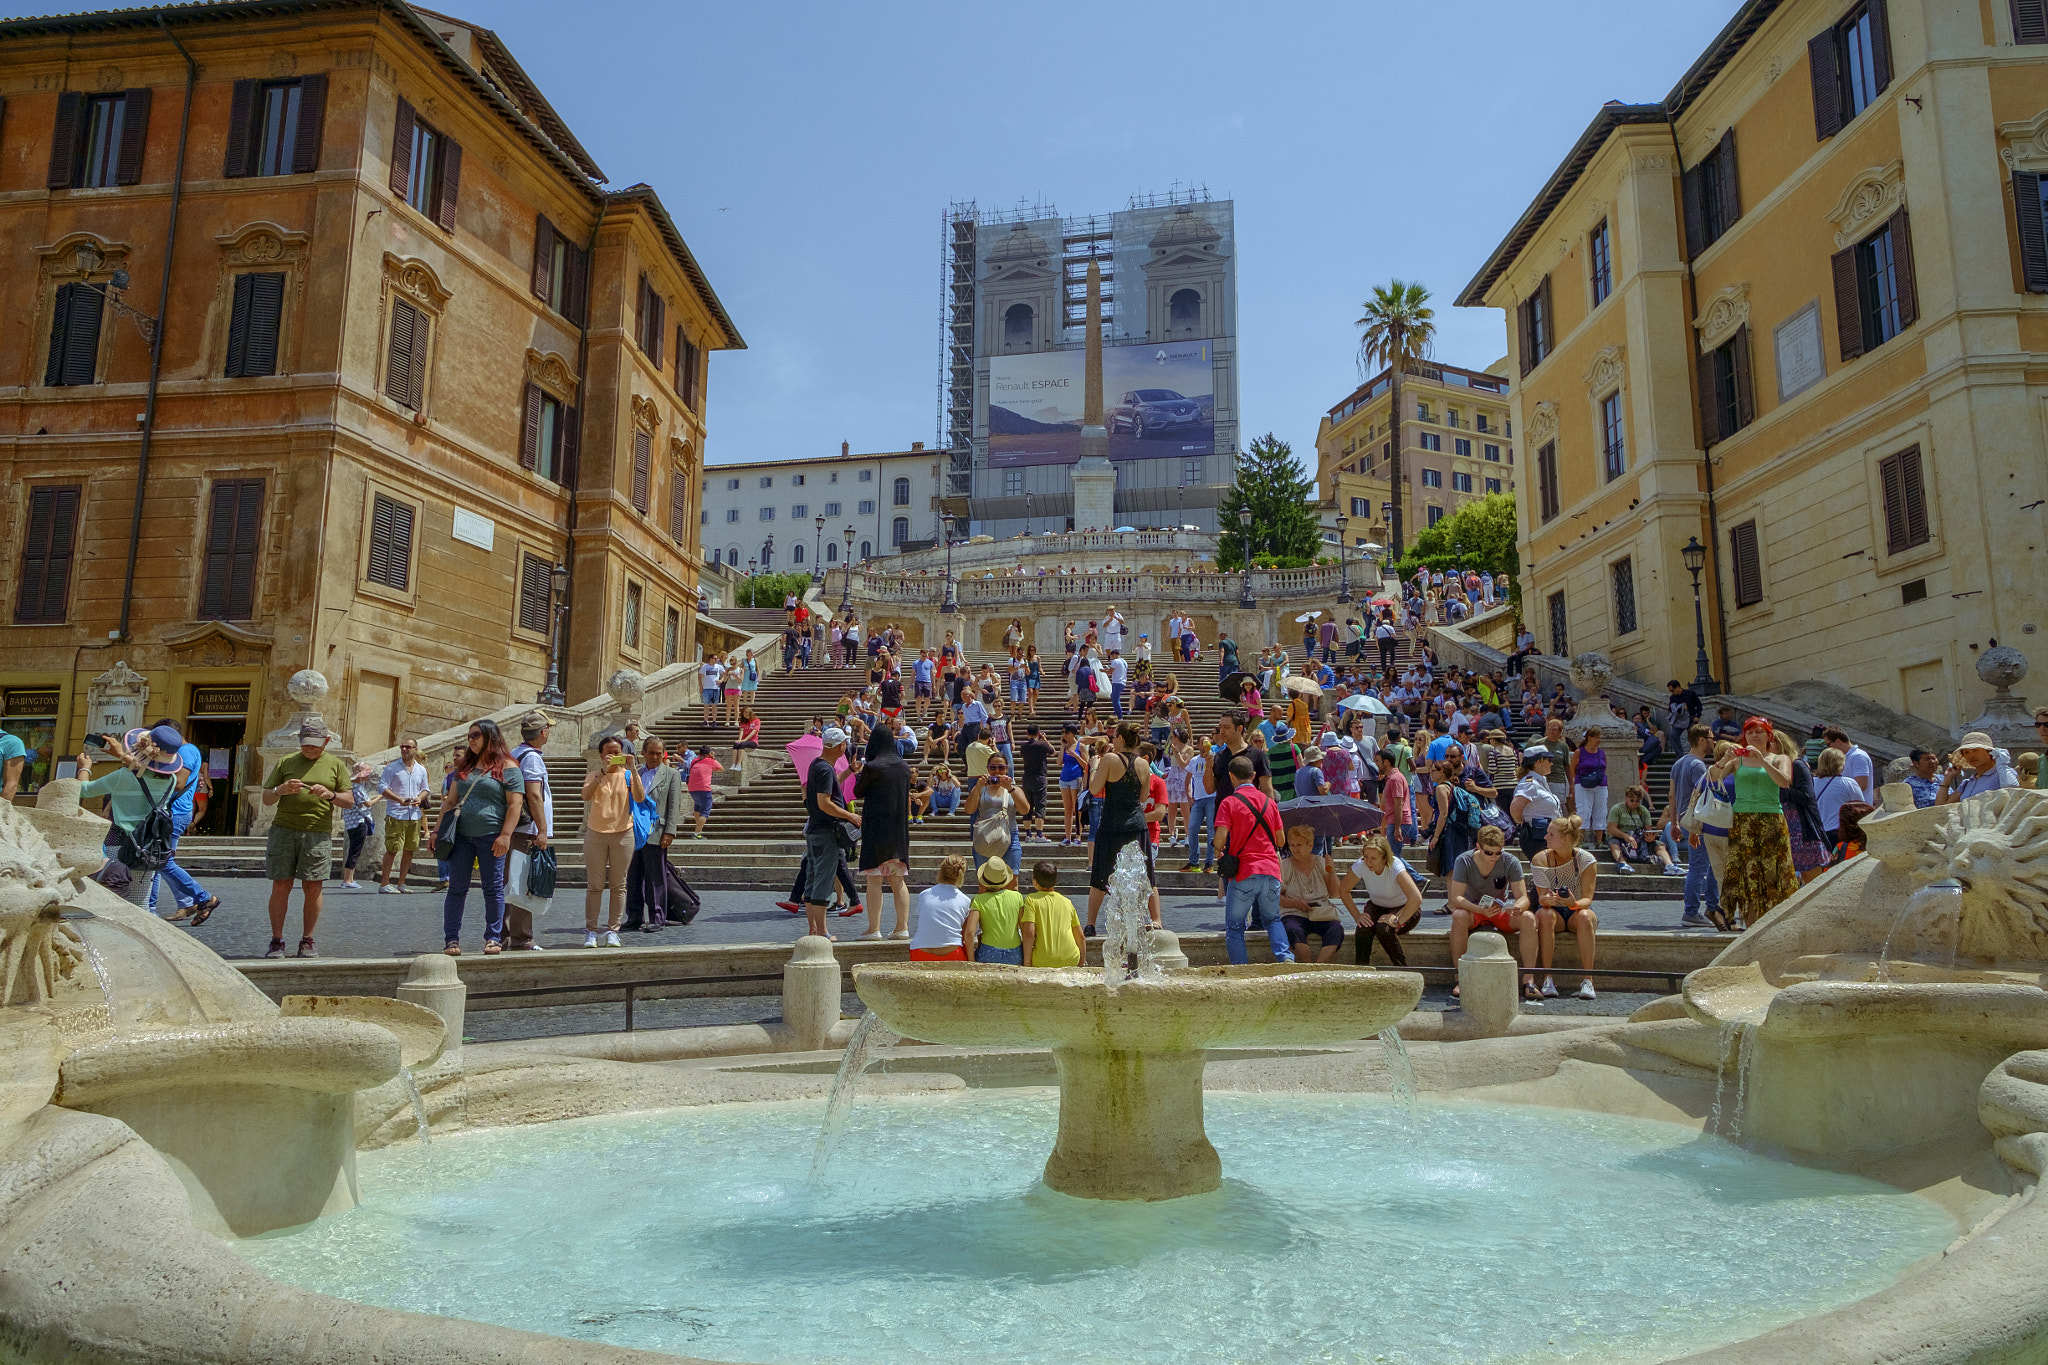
{"x": 1130, "y": 1060}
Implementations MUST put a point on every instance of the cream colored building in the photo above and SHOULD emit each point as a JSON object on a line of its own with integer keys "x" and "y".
{"x": 1457, "y": 444}
{"x": 765, "y": 513}
{"x": 1796, "y": 310}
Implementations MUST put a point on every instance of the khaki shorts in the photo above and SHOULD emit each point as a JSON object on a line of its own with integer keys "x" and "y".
{"x": 296, "y": 855}
{"x": 402, "y": 836}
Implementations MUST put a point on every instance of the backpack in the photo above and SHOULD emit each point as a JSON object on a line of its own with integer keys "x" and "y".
{"x": 1466, "y": 806}
{"x": 147, "y": 847}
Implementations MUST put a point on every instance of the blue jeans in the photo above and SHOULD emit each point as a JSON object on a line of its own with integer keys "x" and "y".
{"x": 1246, "y": 893}
{"x": 1700, "y": 887}
{"x": 1116, "y": 698}
{"x": 188, "y": 892}
{"x": 1015, "y": 857}
{"x": 945, "y": 800}
{"x": 475, "y": 852}
{"x": 1202, "y": 830}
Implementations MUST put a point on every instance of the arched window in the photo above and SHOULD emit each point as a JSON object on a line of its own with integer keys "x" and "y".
{"x": 732, "y": 555}
{"x": 831, "y": 552}
{"x": 796, "y": 554}
{"x": 902, "y": 493}
{"x": 1184, "y": 313}
{"x": 867, "y": 549}
{"x": 767, "y": 554}
{"x": 899, "y": 530}
{"x": 1017, "y": 327}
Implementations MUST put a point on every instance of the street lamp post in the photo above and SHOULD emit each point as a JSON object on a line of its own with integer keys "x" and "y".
{"x": 1343, "y": 561}
{"x": 950, "y": 606}
{"x": 558, "y": 590}
{"x": 818, "y": 555}
{"x": 1181, "y": 511}
{"x": 1244, "y": 528}
{"x": 1027, "y": 518}
{"x": 1695, "y": 556}
{"x": 846, "y": 576}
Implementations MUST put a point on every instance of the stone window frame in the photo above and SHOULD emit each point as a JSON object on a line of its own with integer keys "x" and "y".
{"x": 633, "y": 648}
{"x": 1625, "y": 554}
{"x": 57, "y": 265}
{"x": 407, "y": 600}
{"x": 521, "y": 548}
{"x": 1753, "y": 512}
{"x": 256, "y": 248}
{"x": 415, "y": 282}
{"x": 1912, "y": 561}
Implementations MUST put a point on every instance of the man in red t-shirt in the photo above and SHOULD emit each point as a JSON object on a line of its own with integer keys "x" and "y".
{"x": 1248, "y": 825}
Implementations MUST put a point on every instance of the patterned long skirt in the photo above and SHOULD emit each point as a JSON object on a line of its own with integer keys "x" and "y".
{"x": 1760, "y": 872}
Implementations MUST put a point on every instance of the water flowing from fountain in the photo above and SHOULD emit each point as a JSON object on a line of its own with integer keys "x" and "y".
{"x": 419, "y": 1103}
{"x": 1730, "y": 1029}
{"x": 1127, "y": 923}
{"x": 872, "y": 1039}
{"x": 1394, "y": 1053}
{"x": 1745, "y": 1060}
{"x": 99, "y": 973}
{"x": 1934, "y": 906}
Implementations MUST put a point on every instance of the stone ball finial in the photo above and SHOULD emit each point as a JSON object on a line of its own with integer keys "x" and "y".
{"x": 307, "y": 686}
{"x": 627, "y": 687}
{"x": 1592, "y": 672}
{"x": 2001, "y": 667}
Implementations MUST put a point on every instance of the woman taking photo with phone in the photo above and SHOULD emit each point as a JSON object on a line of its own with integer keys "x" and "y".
{"x": 995, "y": 802}
{"x": 1759, "y": 868}
{"x": 481, "y": 800}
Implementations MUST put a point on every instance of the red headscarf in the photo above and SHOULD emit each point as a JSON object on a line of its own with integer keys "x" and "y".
{"x": 1759, "y": 723}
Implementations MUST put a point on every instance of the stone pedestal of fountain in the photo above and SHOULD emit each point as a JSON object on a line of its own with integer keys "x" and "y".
{"x": 1488, "y": 989}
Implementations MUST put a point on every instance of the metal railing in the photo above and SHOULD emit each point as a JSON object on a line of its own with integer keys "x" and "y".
{"x": 632, "y": 989}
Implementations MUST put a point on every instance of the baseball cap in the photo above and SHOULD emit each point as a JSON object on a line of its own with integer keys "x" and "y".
{"x": 833, "y": 736}
{"x": 1536, "y": 751}
{"x": 313, "y": 730}
{"x": 167, "y": 738}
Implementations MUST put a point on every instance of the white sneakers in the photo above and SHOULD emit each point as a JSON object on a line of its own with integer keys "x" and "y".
{"x": 590, "y": 939}
{"x": 611, "y": 938}
{"x": 351, "y": 886}
{"x": 389, "y": 889}
{"x": 1586, "y": 990}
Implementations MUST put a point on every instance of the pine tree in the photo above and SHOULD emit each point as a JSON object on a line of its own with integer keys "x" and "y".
{"x": 1277, "y": 492}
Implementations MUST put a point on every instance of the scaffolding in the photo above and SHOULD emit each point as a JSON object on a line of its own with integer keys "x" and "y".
{"x": 959, "y": 229}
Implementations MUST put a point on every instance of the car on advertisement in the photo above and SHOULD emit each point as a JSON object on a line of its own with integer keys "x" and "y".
{"x": 1145, "y": 413}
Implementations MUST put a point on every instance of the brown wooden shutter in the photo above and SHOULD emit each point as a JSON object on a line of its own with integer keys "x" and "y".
{"x": 543, "y": 256}
{"x": 1523, "y": 346}
{"x": 1731, "y": 191}
{"x": 529, "y": 428}
{"x": 643, "y": 469}
{"x": 572, "y": 446}
{"x": 1547, "y": 321}
{"x": 416, "y": 380}
{"x": 253, "y": 327}
{"x": 2030, "y": 21}
{"x": 1548, "y": 498}
{"x": 1692, "y": 187}
{"x": 1749, "y": 574}
{"x": 241, "y": 123}
{"x": 1910, "y": 474}
{"x": 1745, "y": 385}
{"x": 576, "y": 288}
{"x": 1848, "y": 303}
{"x": 390, "y": 543}
{"x": 1902, "y": 266}
{"x": 401, "y": 149}
{"x": 534, "y": 590}
{"x": 312, "y": 123}
{"x": 657, "y": 325}
{"x": 449, "y": 184}
{"x": 64, "y": 139}
{"x": 238, "y": 326}
{"x": 1823, "y": 61}
{"x": 1895, "y": 535}
{"x": 693, "y": 361}
{"x": 405, "y": 362}
{"x": 1710, "y": 400}
{"x": 2026, "y": 203}
{"x": 228, "y": 592}
{"x": 1880, "y": 45}
{"x": 678, "y": 506}
{"x": 1905, "y": 500}
{"x": 46, "y": 555}
{"x": 682, "y": 358}
{"x": 75, "y": 314}
{"x": 134, "y": 137}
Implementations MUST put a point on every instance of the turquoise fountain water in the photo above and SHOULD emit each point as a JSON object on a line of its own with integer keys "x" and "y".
{"x": 1345, "y": 1232}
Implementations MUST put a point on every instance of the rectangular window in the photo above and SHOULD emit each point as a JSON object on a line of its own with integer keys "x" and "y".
{"x": 1749, "y": 574}
{"x": 1624, "y": 575}
{"x": 228, "y": 590}
{"x": 867, "y": 476}
{"x": 1013, "y": 483}
{"x": 643, "y": 471}
{"x": 1481, "y": 425}
{"x": 1436, "y": 514}
{"x": 1191, "y": 472}
{"x": 2030, "y": 204}
{"x": 1493, "y": 485}
{"x": 426, "y": 167}
{"x": 534, "y": 592}
{"x": 732, "y": 485}
{"x": 75, "y": 315}
{"x": 1461, "y": 483}
{"x": 678, "y": 507}
{"x": 799, "y": 510}
{"x": 46, "y": 547}
{"x": 1492, "y": 453}
{"x": 831, "y": 509}
{"x": 1461, "y": 445}
{"x": 649, "y": 321}
{"x": 687, "y": 365}
{"x": 276, "y": 134}
{"x": 1613, "y": 448}
{"x": 1712, "y": 198}
{"x": 1422, "y": 412}
{"x": 102, "y": 158}
{"x": 629, "y": 623}
{"x": 1432, "y": 478}
{"x": 796, "y": 481}
{"x": 1851, "y": 65}
{"x": 405, "y": 361}
{"x": 1452, "y": 418}
{"x": 1876, "y": 296}
{"x": 1905, "y": 500}
{"x": 767, "y": 514}
{"x": 732, "y": 514}
{"x": 1727, "y": 394}
{"x": 671, "y": 636}
{"x": 1429, "y": 440}
{"x": 867, "y": 507}
{"x": 98, "y": 139}
{"x": 390, "y": 543}
{"x": 253, "y": 325}
{"x": 1558, "y": 640}
{"x": 1361, "y": 507}
{"x": 1547, "y": 499}
{"x": 1600, "y": 253}
{"x": 767, "y": 481}
{"x": 2030, "y": 21}
{"x": 561, "y": 271}
{"x": 1534, "y": 327}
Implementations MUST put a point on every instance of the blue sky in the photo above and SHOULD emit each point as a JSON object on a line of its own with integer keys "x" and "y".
{"x": 807, "y": 151}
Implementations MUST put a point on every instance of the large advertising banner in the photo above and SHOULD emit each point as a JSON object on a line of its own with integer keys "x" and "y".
{"x": 1158, "y": 399}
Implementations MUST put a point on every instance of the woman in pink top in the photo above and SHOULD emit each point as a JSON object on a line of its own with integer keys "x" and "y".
{"x": 701, "y": 768}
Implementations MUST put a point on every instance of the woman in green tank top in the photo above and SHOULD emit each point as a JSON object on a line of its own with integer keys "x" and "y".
{"x": 1760, "y": 871}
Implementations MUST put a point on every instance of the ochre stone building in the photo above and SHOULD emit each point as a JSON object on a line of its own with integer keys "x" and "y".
{"x": 1798, "y": 310}
{"x": 413, "y": 355}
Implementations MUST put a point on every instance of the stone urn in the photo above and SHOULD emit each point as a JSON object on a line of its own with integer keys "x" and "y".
{"x": 2006, "y": 718}
{"x": 1593, "y": 678}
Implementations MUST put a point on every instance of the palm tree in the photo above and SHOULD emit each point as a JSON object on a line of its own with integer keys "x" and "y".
{"x": 1400, "y": 327}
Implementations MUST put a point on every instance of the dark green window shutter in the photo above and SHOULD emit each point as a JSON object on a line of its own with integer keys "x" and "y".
{"x": 46, "y": 555}
{"x": 312, "y": 121}
{"x": 241, "y": 123}
{"x": 134, "y": 137}
{"x": 2026, "y": 204}
{"x": 64, "y": 139}
{"x": 1823, "y": 60}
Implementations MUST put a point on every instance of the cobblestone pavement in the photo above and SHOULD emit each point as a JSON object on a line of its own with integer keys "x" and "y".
{"x": 369, "y": 924}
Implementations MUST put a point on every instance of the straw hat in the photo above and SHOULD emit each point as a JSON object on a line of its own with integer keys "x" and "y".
{"x": 994, "y": 874}
{"x": 1976, "y": 739}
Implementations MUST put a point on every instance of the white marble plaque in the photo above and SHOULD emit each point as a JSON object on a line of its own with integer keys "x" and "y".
{"x": 1796, "y": 343}
{"x": 472, "y": 529}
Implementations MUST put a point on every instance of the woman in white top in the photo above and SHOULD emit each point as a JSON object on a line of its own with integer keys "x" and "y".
{"x": 1833, "y": 790}
{"x": 1534, "y": 804}
{"x": 1393, "y": 902}
{"x": 941, "y": 912}
{"x": 1561, "y": 880}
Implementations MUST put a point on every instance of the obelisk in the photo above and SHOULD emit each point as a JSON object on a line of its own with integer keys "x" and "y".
{"x": 1094, "y": 477}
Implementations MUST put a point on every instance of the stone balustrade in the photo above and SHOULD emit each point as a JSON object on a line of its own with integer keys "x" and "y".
{"x": 1322, "y": 582}
{"x": 1079, "y": 548}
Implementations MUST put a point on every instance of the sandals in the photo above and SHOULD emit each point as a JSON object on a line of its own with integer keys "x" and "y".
{"x": 202, "y": 913}
{"x": 492, "y": 947}
{"x": 453, "y": 949}
{"x": 1531, "y": 992}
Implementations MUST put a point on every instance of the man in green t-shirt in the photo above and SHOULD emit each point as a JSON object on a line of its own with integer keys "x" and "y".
{"x": 305, "y": 788}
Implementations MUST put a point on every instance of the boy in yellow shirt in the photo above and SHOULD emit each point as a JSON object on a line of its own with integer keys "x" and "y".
{"x": 1049, "y": 924}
